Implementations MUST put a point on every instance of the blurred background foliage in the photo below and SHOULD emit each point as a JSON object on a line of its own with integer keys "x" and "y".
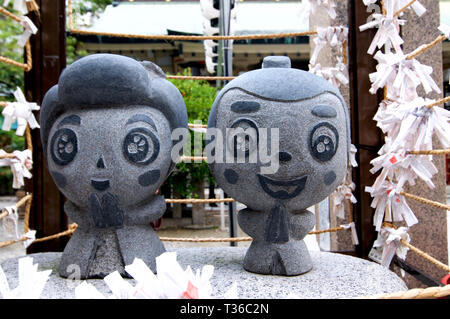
{"x": 198, "y": 97}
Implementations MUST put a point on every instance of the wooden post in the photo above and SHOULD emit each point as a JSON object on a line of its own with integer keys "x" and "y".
{"x": 365, "y": 134}
{"x": 49, "y": 59}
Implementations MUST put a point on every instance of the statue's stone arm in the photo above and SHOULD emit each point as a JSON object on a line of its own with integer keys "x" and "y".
{"x": 145, "y": 214}
{"x": 300, "y": 223}
{"x": 252, "y": 222}
{"x": 81, "y": 217}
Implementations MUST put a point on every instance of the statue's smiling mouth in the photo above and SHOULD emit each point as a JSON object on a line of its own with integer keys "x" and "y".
{"x": 282, "y": 189}
{"x": 100, "y": 184}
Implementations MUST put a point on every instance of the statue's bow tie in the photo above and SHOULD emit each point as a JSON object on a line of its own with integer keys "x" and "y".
{"x": 277, "y": 227}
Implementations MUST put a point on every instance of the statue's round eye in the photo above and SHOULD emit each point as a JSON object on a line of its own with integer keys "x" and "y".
{"x": 243, "y": 137}
{"x": 141, "y": 146}
{"x": 63, "y": 146}
{"x": 323, "y": 141}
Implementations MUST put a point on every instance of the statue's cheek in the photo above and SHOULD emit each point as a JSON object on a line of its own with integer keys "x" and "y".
{"x": 149, "y": 178}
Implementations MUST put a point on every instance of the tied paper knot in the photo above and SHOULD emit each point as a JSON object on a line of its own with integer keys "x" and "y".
{"x": 352, "y": 227}
{"x": 23, "y": 6}
{"x": 31, "y": 281}
{"x": 336, "y": 75}
{"x": 20, "y": 165}
{"x": 343, "y": 193}
{"x": 389, "y": 239}
{"x": 28, "y": 29}
{"x": 329, "y": 6}
{"x": 30, "y": 238}
{"x": 20, "y": 111}
{"x": 389, "y": 204}
{"x": 170, "y": 281}
{"x": 332, "y": 36}
{"x": 19, "y": 5}
{"x": 10, "y": 222}
{"x": 410, "y": 126}
{"x": 352, "y": 156}
{"x": 388, "y": 34}
{"x": 445, "y": 30}
{"x": 401, "y": 76}
{"x": 417, "y": 7}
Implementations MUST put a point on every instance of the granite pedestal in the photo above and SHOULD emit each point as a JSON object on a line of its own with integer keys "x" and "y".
{"x": 332, "y": 276}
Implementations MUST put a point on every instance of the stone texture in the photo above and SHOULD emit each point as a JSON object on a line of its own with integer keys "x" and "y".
{"x": 430, "y": 234}
{"x": 106, "y": 133}
{"x": 338, "y": 241}
{"x": 332, "y": 276}
{"x": 313, "y": 124}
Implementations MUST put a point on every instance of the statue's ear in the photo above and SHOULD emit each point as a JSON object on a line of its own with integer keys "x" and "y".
{"x": 153, "y": 70}
{"x": 50, "y": 110}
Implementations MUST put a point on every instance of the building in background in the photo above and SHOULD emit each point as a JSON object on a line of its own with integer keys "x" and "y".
{"x": 185, "y": 17}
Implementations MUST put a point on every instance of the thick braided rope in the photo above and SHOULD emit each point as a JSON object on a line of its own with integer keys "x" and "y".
{"x": 417, "y": 293}
{"x": 426, "y": 201}
{"x": 205, "y": 78}
{"x": 206, "y": 240}
{"x": 198, "y": 200}
{"x": 404, "y": 8}
{"x": 10, "y": 14}
{"x": 193, "y": 158}
{"x": 430, "y": 152}
{"x": 438, "y": 102}
{"x": 426, "y": 256}
{"x": 197, "y": 125}
{"x": 71, "y": 229}
{"x": 237, "y": 239}
{"x": 26, "y": 220}
{"x": 418, "y": 251}
{"x": 26, "y": 66}
{"x": 421, "y": 50}
{"x": 195, "y": 37}
{"x": 9, "y": 155}
{"x": 19, "y": 204}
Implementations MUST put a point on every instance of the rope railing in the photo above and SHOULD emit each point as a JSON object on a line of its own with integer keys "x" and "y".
{"x": 19, "y": 204}
{"x": 236, "y": 239}
{"x": 418, "y": 251}
{"x": 426, "y": 256}
{"x": 429, "y": 152}
{"x": 416, "y": 293}
{"x": 190, "y": 125}
{"x": 438, "y": 102}
{"x": 404, "y": 8}
{"x": 426, "y": 201}
{"x": 426, "y": 47}
{"x": 70, "y": 230}
{"x": 28, "y": 65}
{"x": 193, "y": 158}
{"x": 201, "y": 78}
{"x": 198, "y": 200}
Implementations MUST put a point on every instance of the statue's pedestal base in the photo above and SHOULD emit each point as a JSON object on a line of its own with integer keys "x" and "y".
{"x": 333, "y": 276}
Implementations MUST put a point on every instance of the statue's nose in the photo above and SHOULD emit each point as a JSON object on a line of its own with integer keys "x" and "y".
{"x": 284, "y": 156}
{"x": 100, "y": 163}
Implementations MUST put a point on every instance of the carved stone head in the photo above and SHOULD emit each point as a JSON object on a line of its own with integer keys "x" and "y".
{"x": 313, "y": 142}
{"x": 106, "y": 128}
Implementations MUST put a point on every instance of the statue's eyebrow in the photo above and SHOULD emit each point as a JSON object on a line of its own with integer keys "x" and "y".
{"x": 324, "y": 111}
{"x": 71, "y": 119}
{"x": 245, "y": 106}
{"x": 142, "y": 118}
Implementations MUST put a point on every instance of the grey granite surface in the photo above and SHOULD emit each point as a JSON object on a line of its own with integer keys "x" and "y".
{"x": 294, "y": 123}
{"x": 332, "y": 276}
